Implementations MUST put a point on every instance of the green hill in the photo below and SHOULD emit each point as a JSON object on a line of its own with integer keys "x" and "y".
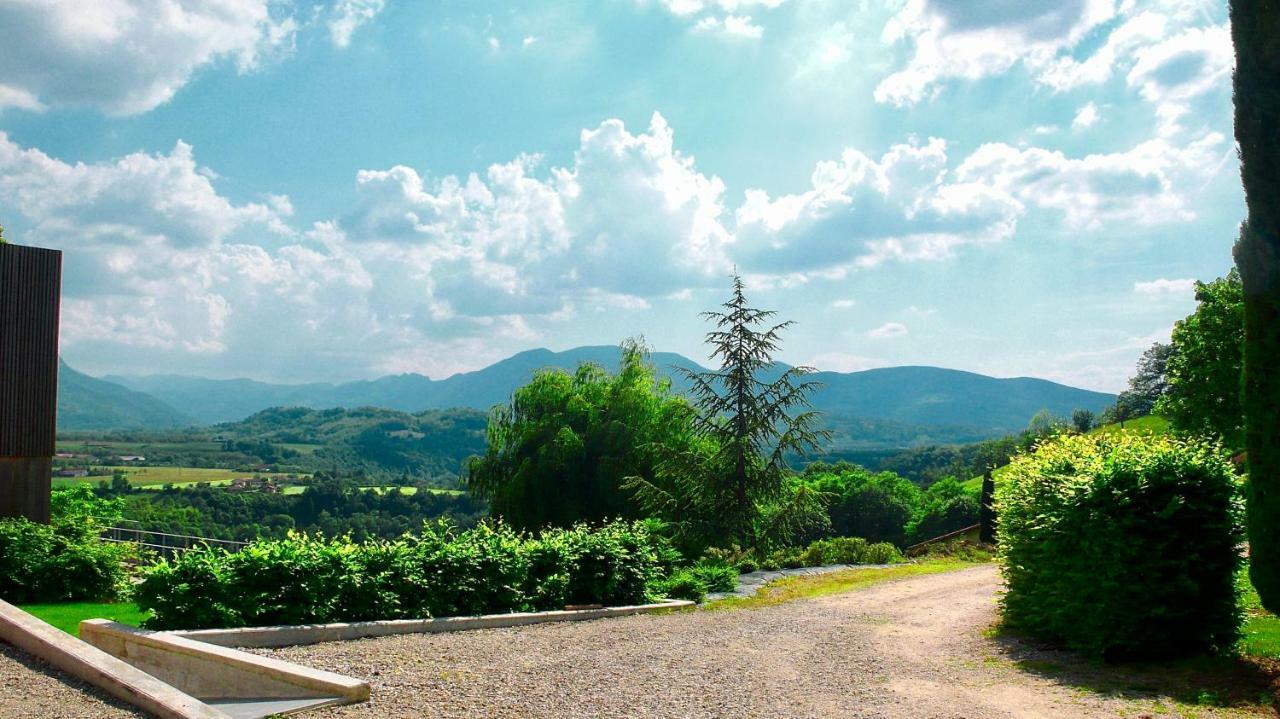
{"x": 88, "y": 403}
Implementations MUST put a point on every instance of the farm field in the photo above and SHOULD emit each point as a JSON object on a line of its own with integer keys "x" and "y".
{"x": 159, "y": 476}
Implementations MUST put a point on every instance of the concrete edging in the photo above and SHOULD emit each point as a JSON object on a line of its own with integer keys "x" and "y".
{"x": 98, "y": 668}
{"x": 284, "y": 636}
{"x": 216, "y": 673}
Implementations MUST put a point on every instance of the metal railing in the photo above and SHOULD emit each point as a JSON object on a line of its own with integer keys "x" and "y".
{"x": 164, "y": 544}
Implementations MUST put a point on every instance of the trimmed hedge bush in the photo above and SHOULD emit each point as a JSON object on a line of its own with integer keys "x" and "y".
{"x": 1121, "y": 545}
{"x": 442, "y": 572}
{"x": 65, "y": 560}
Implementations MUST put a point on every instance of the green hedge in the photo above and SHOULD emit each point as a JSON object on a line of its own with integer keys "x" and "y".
{"x": 65, "y": 560}
{"x": 1122, "y": 545}
{"x": 442, "y": 572}
{"x": 835, "y": 550}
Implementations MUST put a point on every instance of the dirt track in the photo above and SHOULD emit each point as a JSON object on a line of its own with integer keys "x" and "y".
{"x": 913, "y": 648}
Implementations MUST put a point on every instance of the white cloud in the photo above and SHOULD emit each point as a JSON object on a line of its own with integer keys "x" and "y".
{"x": 528, "y": 41}
{"x": 731, "y": 25}
{"x": 346, "y": 16}
{"x": 1174, "y": 73}
{"x": 888, "y": 330}
{"x": 693, "y": 7}
{"x": 128, "y": 56}
{"x": 958, "y": 39}
{"x": 495, "y": 43}
{"x": 843, "y": 304}
{"x": 1147, "y": 184}
{"x": 1086, "y": 117}
{"x": 862, "y": 212}
{"x": 1163, "y": 286}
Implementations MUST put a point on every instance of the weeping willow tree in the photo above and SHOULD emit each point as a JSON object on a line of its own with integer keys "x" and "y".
{"x": 1255, "y": 29}
{"x": 734, "y": 484}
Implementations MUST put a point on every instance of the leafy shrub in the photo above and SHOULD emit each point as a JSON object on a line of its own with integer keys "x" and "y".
{"x": 747, "y": 565}
{"x": 64, "y": 560}
{"x": 683, "y": 584}
{"x": 1122, "y": 545}
{"x": 835, "y": 550}
{"x": 718, "y": 577}
{"x": 945, "y": 507}
{"x": 441, "y": 572}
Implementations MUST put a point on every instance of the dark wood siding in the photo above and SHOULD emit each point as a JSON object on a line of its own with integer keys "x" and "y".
{"x": 30, "y": 290}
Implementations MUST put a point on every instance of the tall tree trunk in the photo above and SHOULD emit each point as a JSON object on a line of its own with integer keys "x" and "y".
{"x": 1255, "y": 29}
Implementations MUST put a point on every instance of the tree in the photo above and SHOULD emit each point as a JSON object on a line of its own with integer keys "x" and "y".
{"x": 1083, "y": 420}
{"x": 559, "y": 451}
{"x": 1204, "y": 371}
{"x": 1045, "y": 423}
{"x": 945, "y": 507}
{"x": 734, "y": 485}
{"x": 874, "y": 506}
{"x": 1150, "y": 381}
{"x": 3, "y": 241}
{"x": 1255, "y": 27}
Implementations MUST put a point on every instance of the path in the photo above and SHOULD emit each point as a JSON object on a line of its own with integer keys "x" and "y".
{"x": 910, "y": 648}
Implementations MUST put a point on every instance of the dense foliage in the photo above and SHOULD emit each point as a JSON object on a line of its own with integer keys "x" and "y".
{"x": 733, "y": 484}
{"x": 945, "y": 507}
{"x": 439, "y": 572}
{"x": 1121, "y": 545}
{"x": 1255, "y": 26}
{"x": 330, "y": 506}
{"x": 1204, "y": 373}
{"x": 559, "y": 451}
{"x": 64, "y": 560}
{"x": 875, "y": 506}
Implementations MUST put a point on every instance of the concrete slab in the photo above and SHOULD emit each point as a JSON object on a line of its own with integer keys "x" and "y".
{"x": 219, "y": 675}
{"x": 257, "y": 708}
{"x": 99, "y": 668}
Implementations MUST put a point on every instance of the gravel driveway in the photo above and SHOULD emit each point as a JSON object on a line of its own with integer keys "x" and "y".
{"x": 912, "y": 648}
{"x": 30, "y": 688}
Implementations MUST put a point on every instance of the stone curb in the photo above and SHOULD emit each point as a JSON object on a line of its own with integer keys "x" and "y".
{"x": 207, "y": 670}
{"x": 98, "y": 668}
{"x": 284, "y": 636}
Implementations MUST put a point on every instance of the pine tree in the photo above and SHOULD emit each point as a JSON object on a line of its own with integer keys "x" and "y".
{"x": 1255, "y": 29}
{"x": 737, "y": 487}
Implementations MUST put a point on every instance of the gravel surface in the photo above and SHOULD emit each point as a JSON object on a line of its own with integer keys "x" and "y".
{"x": 912, "y": 648}
{"x": 29, "y": 688}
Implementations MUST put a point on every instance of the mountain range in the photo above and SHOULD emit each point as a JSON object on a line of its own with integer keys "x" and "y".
{"x": 912, "y": 404}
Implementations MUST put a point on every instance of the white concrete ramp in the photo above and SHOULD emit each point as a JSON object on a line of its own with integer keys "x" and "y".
{"x": 239, "y": 684}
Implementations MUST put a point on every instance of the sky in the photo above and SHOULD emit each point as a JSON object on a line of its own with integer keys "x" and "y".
{"x": 342, "y": 189}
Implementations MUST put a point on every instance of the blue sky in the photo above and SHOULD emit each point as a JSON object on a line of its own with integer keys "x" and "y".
{"x": 298, "y": 191}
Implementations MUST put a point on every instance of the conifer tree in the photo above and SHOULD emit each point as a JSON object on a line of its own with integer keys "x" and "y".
{"x": 1255, "y": 29}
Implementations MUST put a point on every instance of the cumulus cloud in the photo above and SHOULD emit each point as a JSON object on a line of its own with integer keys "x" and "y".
{"x": 346, "y": 16}
{"x": 863, "y": 211}
{"x": 1146, "y": 184}
{"x": 130, "y": 56}
{"x": 961, "y": 39}
{"x": 1086, "y": 117}
{"x": 731, "y": 25}
{"x": 693, "y": 7}
{"x": 888, "y": 330}
{"x": 843, "y": 304}
{"x": 1164, "y": 286}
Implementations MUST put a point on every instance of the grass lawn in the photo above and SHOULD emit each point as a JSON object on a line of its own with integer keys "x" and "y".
{"x": 1260, "y": 635}
{"x": 67, "y": 617}
{"x": 821, "y": 585}
{"x": 158, "y": 476}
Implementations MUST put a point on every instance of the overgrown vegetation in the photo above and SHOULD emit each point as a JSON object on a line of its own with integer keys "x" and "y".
{"x": 64, "y": 560}
{"x": 560, "y": 451}
{"x": 1122, "y": 545}
{"x": 731, "y": 482}
{"x": 438, "y": 572}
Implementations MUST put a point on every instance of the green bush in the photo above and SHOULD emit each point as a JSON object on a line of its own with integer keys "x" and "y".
{"x": 683, "y": 584}
{"x": 834, "y": 550}
{"x": 718, "y": 577}
{"x": 441, "y": 572}
{"x": 65, "y": 560}
{"x": 1122, "y": 545}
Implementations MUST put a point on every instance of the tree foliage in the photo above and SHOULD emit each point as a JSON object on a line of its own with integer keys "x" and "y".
{"x": 1204, "y": 370}
{"x": 876, "y": 506}
{"x": 559, "y": 451}
{"x": 1121, "y": 545}
{"x": 733, "y": 483}
{"x": 1255, "y": 29}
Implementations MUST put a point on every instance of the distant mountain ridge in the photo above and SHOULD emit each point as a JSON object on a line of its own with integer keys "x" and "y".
{"x": 88, "y": 403}
{"x": 971, "y": 403}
